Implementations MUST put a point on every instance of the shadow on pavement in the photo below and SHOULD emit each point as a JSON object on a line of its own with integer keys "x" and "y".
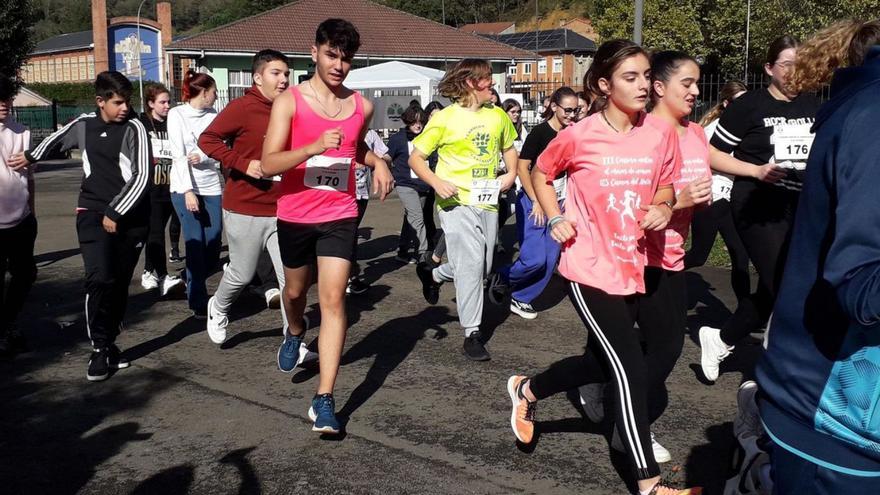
{"x": 182, "y": 330}
{"x": 708, "y": 465}
{"x": 171, "y": 481}
{"x": 45, "y": 259}
{"x": 390, "y": 344}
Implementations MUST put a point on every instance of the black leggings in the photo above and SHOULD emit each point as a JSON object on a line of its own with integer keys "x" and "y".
{"x": 708, "y": 222}
{"x": 154, "y": 254}
{"x": 763, "y": 216}
{"x": 615, "y": 353}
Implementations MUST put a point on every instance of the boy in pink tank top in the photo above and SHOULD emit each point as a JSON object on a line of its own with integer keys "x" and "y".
{"x": 315, "y": 136}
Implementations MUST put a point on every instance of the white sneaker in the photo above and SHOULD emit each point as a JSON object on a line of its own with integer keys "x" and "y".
{"x": 713, "y": 351}
{"x": 592, "y": 397}
{"x": 747, "y": 422}
{"x": 660, "y": 452}
{"x": 217, "y": 323}
{"x": 149, "y": 281}
{"x": 169, "y": 282}
{"x": 273, "y": 298}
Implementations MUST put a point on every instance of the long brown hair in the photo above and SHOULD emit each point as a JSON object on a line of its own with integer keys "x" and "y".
{"x": 454, "y": 83}
{"x": 195, "y": 83}
{"x": 725, "y": 96}
{"x": 608, "y": 58}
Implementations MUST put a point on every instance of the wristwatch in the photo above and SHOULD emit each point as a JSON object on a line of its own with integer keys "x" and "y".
{"x": 668, "y": 203}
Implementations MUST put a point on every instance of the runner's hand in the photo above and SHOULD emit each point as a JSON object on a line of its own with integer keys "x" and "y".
{"x": 192, "y": 202}
{"x": 17, "y": 161}
{"x": 193, "y": 159}
{"x": 769, "y": 173}
{"x": 507, "y": 181}
{"x": 329, "y": 140}
{"x": 254, "y": 169}
{"x": 656, "y": 218}
{"x": 537, "y": 215}
{"x": 445, "y": 189}
{"x": 383, "y": 182}
{"x": 109, "y": 225}
{"x": 563, "y": 231}
{"x": 695, "y": 193}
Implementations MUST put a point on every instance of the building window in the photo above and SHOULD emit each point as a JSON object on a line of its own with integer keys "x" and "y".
{"x": 511, "y": 70}
{"x": 83, "y": 68}
{"x": 557, "y": 65}
{"x": 527, "y": 69}
{"x": 240, "y": 78}
{"x": 542, "y": 66}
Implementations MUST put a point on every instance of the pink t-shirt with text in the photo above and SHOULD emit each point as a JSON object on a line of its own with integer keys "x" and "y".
{"x": 322, "y": 189}
{"x": 666, "y": 248}
{"x": 610, "y": 176}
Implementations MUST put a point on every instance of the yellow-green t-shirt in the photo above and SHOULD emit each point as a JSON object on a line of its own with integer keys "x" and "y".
{"x": 468, "y": 146}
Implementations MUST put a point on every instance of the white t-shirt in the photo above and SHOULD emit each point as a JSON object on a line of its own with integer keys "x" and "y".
{"x": 185, "y": 124}
{"x": 363, "y": 174}
{"x": 14, "y": 195}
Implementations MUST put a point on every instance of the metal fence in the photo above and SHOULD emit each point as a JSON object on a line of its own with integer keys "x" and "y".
{"x": 43, "y": 121}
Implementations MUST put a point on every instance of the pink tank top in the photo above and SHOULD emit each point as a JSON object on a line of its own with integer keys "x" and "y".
{"x": 322, "y": 189}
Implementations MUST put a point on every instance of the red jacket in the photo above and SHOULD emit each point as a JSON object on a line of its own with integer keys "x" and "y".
{"x": 234, "y": 138}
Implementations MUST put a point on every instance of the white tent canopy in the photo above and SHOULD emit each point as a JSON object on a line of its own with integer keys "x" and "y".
{"x": 391, "y": 75}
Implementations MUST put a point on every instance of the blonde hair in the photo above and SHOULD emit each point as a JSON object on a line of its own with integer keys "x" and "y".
{"x": 454, "y": 84}
{"x": 820, "y": 55}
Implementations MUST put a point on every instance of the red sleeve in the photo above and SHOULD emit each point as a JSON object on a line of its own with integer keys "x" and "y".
{"x": 225, "y": 127}
{"x": 670, "y": 171}
{"x": 556, "y": 158}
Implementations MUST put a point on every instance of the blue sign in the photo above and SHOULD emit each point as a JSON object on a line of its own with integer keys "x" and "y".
{"x": 124, "y": 47}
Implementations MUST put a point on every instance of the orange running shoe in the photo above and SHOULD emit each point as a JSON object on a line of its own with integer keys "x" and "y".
{"x": 522, "y": 415}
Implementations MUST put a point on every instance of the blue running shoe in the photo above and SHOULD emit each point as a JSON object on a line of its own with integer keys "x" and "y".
{"x": 323, "y": 413}
{"x": 289, "y": 353}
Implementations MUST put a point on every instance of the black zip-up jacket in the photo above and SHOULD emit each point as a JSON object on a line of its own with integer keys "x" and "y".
{"x": 116, "y": 163}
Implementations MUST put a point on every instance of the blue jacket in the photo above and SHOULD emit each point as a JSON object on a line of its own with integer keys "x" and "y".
{"x": 398, "y": 150}
{"x": 820, "y": 375}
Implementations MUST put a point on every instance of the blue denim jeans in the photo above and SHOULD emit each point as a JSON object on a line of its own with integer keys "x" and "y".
{"x": 202, "y": 234}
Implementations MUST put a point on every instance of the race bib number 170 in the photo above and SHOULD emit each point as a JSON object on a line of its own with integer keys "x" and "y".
{"x": 328, "y": 173}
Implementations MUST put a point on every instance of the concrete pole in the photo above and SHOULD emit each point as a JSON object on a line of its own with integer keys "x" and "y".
{"x": 637, "y": 25}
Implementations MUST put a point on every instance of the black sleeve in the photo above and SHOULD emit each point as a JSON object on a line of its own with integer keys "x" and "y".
{"x": 532, "y": 147}
{"x": 63, "y": 139}
{"x": 136, "y": 150}
{"x": 734, "y": 123}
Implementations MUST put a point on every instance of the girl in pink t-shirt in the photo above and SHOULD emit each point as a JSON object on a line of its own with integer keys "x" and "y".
{"x": 621, "y": 166}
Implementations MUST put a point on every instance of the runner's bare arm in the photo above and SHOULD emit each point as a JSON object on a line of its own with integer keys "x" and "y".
{"x": 722, "y": 162}
{"x": 561, "y": 231}
{"x": 383, "y": 182}
{"x": 418, "y": 163}
{"x": 659, "y": 212}
{"x": 276, "y": 159}
{"x": 510, "y": 157}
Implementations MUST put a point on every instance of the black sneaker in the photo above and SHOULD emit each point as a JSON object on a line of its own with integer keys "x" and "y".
{"x": 356, "y": 286}
{"x": 175, "y": 256}
{"x": 523, "y": 309}
{"x": 15, "y": 339}
{"x": 99, "y": 366}
{"x": 498, "y": 288}
{"x": 115, "y": 358}
{"x": 430, "y": 288}
{"x": 474, "y": 348}
{"x": 404, "y": 257}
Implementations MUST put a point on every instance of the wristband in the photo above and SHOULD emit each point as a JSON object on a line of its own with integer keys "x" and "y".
{"x": 667, "y": 203}
{"x": 553, "y": 221}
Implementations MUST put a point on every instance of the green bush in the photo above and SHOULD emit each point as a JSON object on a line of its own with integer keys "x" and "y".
{"x": 77, "y": 93}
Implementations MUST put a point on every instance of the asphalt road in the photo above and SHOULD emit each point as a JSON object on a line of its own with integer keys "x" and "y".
{"x": 191, "y": 417}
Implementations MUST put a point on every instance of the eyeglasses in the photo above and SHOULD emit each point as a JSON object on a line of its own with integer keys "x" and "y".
{"x": 787, "y": 65}
{"x": 571, "y": 110}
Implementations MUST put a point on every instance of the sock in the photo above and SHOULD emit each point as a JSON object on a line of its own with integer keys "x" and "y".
{"x": 470, "y": 331}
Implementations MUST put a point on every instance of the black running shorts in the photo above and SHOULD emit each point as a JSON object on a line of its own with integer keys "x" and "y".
{"x": 301, "y": 243}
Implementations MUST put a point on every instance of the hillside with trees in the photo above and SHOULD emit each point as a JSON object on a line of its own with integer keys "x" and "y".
{"x": 708, "y": 28}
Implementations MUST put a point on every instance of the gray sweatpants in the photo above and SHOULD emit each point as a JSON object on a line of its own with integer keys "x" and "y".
{"x": 247, "y": 236}
{"x": 413, "y": 205}
{"x": 470, "y": 243}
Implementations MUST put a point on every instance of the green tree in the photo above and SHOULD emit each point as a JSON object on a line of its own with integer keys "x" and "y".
{"x": 667, "y": 24}
{"x": 16, "y": 39}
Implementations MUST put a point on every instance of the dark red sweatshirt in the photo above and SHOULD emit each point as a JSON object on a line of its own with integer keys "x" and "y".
{"x": 234, "y": 138}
